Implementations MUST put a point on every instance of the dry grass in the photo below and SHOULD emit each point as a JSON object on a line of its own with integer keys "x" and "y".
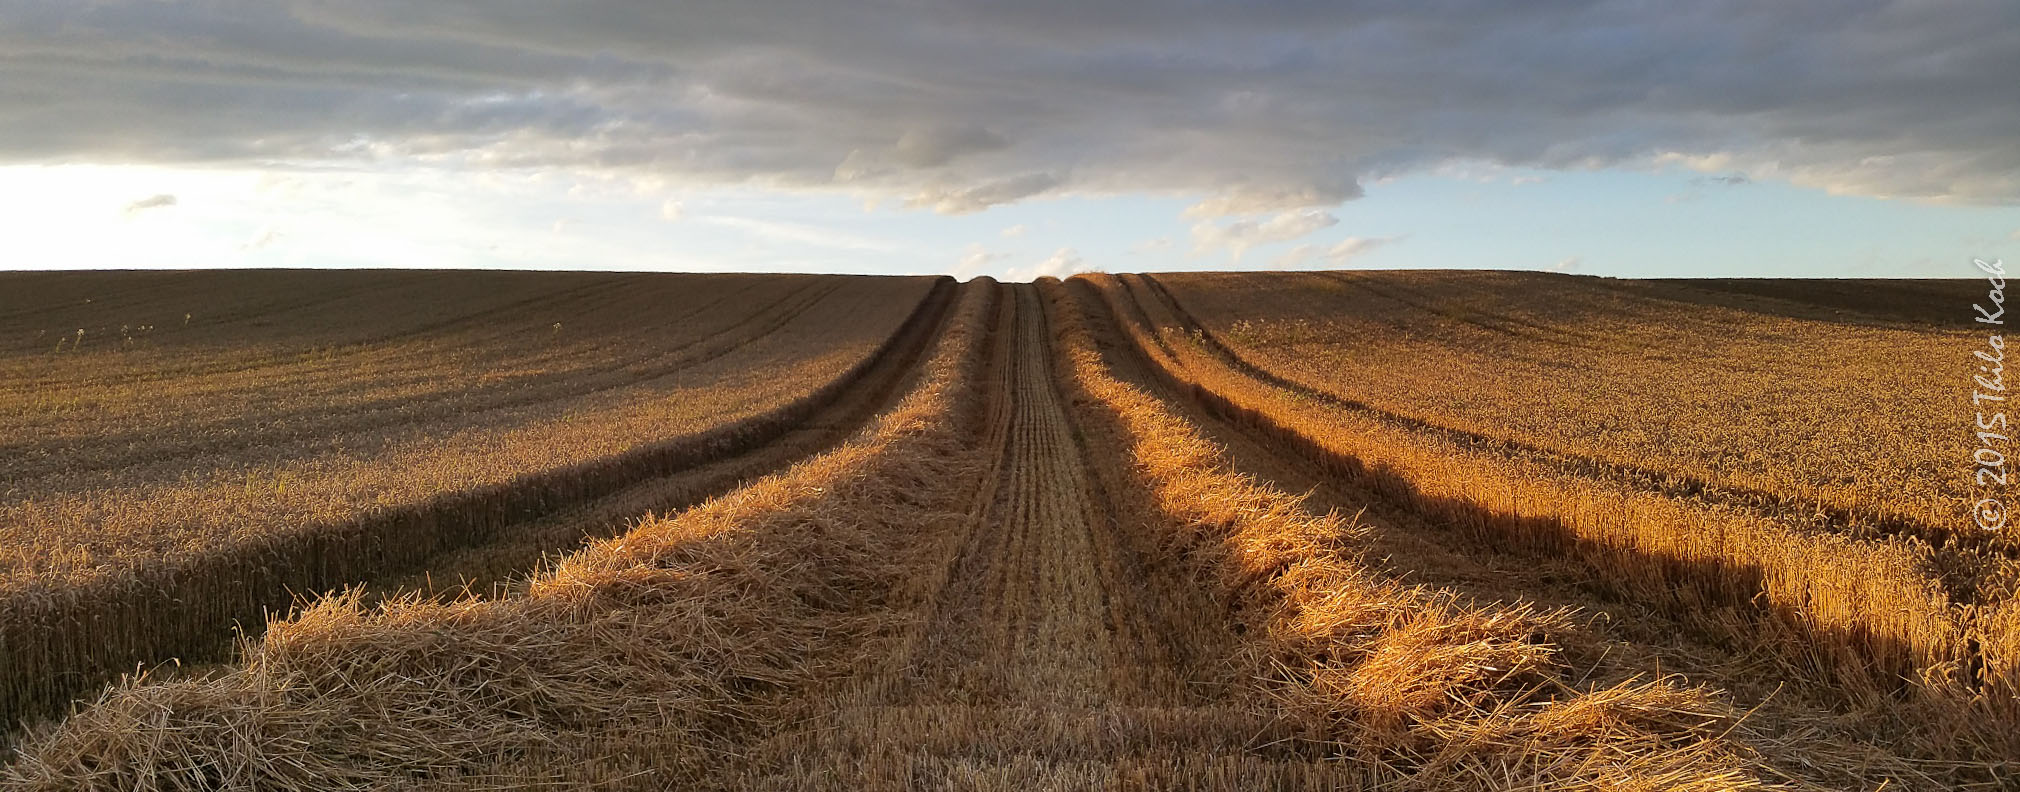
{"x": 1788, "y": 405}
{"x": 1038, "y": 571}
{"x": 162, "y": 457}
{"x": 309, "y": 516}
{"x": 1424, "y": 691}
{"x": 636, "y": 663}
{"x": 1868, "y": 620}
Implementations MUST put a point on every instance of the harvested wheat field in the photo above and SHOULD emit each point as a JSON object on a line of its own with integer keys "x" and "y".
{"x": 1342, "y": 531}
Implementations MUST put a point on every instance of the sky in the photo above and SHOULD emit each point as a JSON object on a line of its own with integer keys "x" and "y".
{"x": 1013, "y": 138}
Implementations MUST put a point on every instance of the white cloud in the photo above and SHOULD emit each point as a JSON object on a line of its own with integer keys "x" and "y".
{"x": 1335, "y": 256}
{"x": 1249, "y": 199}
{"x": 672, "y": 209}
{"x": 802, "y": 234}
{"x": 1062, "y": 263}
{"x": 976, "y": 260}
{"x": 1016, "y": 231}
{"x": 966, "y": 199}
{"x": 1238, "y": 236}
{"x": 1355, "y": 246}
{"x": 266, "y": 236}
{"x": 1156, "y": 245}
{"x": 151, "y": 202}
{"x": 1570, "y": 264}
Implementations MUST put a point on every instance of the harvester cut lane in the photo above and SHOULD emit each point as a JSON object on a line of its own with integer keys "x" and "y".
{"x": 1049, "y": 658}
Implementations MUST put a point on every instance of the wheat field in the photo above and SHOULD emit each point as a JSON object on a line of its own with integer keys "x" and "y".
{"x": 1370, "y": 530}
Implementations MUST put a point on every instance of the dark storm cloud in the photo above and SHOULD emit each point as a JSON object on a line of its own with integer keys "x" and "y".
{"x": 961, "y": 105}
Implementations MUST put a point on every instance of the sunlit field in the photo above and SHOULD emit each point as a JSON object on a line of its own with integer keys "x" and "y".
{"x": 1317, "y": 530}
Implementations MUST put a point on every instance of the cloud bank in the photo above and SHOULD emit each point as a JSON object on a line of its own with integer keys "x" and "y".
{"x": 1264, "y": 106}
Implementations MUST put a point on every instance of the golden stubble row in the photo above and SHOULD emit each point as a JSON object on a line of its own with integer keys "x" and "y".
{"x": 147, "y": 508}
{"x": 642, "y": 662}
{"x": 1864, "y": 619}
{"x": 1859, "y": 415}
{"x": 1416, "y": 687}
{"x": 147, "y": 585}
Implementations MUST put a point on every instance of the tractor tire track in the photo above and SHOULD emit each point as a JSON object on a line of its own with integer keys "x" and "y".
{"x": 1049, "y": 657}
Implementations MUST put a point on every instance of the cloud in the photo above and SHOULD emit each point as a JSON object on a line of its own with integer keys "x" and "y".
{"x": 975, "y": 198}
{"x": 266, "y": 236}
{"x": 1727, "y": 180}
{"x": 1257, "y": 107}
{"x": 672, "y": 209}
{"x": 1355, "y": 246}
{"x": 1698, "y": 184}
{"x": 1238, "y": 236}
{"x": 1249, "y": 199}
{"x": 1063, "y": 262}
{"x": 1571, "y": 264}
{"x": 933, "y": 146}
{"x": 150, "y": 202}
{"x": 917, "y": 150}
{"x": 802, "y": 234}
{"x": 1335, "y": 256}
{"x": 1016, "y": 231}
{"x": 976, "y": 260}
